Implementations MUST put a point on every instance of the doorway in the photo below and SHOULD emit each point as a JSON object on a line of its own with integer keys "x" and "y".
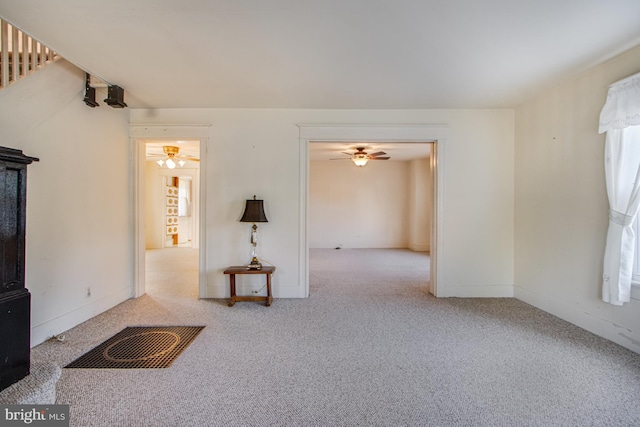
{"x": 171, "y": 194}
{"x": 168, "y": 215}
{"x": 381, "y": 207}
{"x": 435, "y": 135}
{"x": 172, "y": 169}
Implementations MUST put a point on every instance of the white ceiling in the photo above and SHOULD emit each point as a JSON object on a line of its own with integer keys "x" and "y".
{"x": 331, "y": 53}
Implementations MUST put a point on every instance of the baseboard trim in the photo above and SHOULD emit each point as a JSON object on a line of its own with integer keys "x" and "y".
{"x": 420, "y": 248}
{"x": 579, "y": 317}
{"x": 476, "y": 291}
{"x": 42, "y": 332}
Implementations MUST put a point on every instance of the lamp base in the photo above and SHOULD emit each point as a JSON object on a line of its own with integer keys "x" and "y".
{"x": 254, "y": 264}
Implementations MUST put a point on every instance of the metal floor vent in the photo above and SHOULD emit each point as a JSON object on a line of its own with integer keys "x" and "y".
{"x": 139, "y": 347}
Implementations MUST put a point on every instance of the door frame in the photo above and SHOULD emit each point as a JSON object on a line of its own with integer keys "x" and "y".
{"x": 436, "y": 135}
{"x": 138, "y": 136}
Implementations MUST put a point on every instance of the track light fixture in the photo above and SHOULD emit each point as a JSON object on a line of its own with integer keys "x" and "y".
{"x": 115, "y": 97}
{"x": 89, "y": 93}
{"x": 115, "y": 94}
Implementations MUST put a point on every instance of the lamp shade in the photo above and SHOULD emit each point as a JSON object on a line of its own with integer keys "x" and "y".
{"x": 360, "y": 161}
{"x": 254, "y": 211}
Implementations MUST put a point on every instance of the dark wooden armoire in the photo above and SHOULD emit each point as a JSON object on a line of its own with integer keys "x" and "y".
{"x": 15, "y": 299}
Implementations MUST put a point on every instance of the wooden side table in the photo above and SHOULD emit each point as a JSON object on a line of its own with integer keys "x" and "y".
{"x": 232, "y": 271}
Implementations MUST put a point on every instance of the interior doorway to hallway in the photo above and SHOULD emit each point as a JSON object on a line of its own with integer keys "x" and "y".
{"x": 172, "y": 170}
{"x": 152, "y": 147}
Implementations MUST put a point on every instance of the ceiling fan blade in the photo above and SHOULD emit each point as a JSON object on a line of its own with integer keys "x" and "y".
{"x": 379, "y": 153}
{"x": 191, "y": 159}
{"x": 380, "y": 158}
{"x": 342, "y": 158}
{"x": 348, "y": 154}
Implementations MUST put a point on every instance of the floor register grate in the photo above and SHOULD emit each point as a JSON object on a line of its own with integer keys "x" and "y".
{"x": 139, "y": 347}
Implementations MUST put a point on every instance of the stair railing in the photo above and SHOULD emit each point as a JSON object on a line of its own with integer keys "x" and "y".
{"x": 20, "y": 54}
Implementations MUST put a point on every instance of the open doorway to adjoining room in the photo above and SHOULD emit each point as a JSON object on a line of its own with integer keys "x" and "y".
{"x": 356, "y": 135}
{"x": 372, "y": 218}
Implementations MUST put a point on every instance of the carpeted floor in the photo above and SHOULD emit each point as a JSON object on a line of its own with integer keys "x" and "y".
{"x": 369, "y": 347}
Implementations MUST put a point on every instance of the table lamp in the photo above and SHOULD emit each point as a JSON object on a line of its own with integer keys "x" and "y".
{"x": 254, "y": 212}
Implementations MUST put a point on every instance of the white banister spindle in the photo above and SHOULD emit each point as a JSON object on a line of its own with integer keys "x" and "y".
{"x": 36, "y": 53}
{"x": 43, "y": 54}
{"x": 24, "y": 55}
{"x": 15, "y": 54}
{"x": 33, "y": 52}
{"x": 4, "y": 45}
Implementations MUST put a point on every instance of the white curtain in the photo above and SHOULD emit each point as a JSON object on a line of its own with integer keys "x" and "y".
{"x": 620, "y": 118}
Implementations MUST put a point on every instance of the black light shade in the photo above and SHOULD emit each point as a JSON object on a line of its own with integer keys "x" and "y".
{"x": 90, "y": 97}
{"x": 89, "y": 93}
{"x": 254, "y": 211}
{"x": 115, "y": 97}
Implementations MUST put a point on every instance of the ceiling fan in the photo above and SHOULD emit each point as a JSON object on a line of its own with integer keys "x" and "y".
{"x": 361, "y": 157}
{"x": 171, "y": 157}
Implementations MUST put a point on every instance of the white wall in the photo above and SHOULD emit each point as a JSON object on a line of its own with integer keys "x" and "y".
{"x": 79, "y": 229}
{"x": 358, "y": 207}
{"x": 78, "y": 197}
{"x": 381, "y": 205}
{"x": 255, "y": 151}
{"x": 561, "y": 207}
{"x": 419, "y": 215}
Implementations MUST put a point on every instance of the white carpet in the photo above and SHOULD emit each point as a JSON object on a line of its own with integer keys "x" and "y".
{"x": 369, "y": 347}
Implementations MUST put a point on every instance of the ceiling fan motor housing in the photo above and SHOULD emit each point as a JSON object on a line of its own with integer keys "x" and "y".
{"x": 170, "y": 150}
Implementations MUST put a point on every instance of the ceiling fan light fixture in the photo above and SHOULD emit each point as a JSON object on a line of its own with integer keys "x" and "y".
{"x": 173, "y": 158}
{"x": 361, "y": 157}
{"x": 360, "y": 160}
